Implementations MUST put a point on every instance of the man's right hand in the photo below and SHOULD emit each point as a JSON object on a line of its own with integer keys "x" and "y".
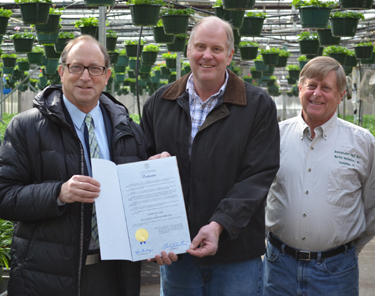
{"x": 160, "y": 155}
{"x": 79, "y": 189}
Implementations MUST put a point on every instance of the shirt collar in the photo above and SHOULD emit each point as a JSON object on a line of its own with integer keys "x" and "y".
{"x": 325, "y": 129}
{"x": 78, "y": 117}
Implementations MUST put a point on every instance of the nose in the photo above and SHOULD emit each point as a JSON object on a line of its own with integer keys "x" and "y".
{"x": 207, "y": 54}
{"x": 317, "y": 92}
{"x": 85, "y": 75}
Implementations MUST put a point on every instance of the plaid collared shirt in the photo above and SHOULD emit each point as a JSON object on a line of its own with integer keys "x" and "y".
{"x": 199, "y": 109}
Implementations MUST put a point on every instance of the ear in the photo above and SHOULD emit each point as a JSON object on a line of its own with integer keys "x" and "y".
{"x": 341, "y": 95}
{"x": 61, "y": 72}
{"x": 107, "y": 75}
{"x": 230, "y": 57}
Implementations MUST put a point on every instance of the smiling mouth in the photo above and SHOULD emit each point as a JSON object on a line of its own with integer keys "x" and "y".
{"x": 206, "y": 66}
{"x": 315, "y": 103}
{"x": 83, "y": 87}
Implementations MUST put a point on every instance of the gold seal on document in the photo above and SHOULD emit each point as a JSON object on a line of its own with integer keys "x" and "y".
{"x": 141, "y": 235}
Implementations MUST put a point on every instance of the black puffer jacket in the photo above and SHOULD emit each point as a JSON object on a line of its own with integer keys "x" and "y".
{"x": 41, "y": 151}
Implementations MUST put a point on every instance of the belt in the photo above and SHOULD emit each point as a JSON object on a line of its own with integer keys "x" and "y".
{"x": 92, "y": 259}
{"x": 307, "y": 255}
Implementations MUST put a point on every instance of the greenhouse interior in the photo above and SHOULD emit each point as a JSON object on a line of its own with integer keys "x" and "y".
{"x": 273, "y": 41}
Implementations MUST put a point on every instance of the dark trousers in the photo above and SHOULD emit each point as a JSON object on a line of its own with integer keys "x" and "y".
{"x": 108, "y": 277}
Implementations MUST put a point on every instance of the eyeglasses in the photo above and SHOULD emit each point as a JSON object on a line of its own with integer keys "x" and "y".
{"x": 78, "y": 69}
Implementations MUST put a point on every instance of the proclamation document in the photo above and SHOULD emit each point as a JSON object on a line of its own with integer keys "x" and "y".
{"x": 140, "y": 209}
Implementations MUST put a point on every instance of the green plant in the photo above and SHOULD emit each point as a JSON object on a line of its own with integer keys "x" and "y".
{"x": 140, "y": 2}
{"x": 56, "y": 11}
{"x": 33, "y": 1}
{"x": 169, "y": 55}
{"x": 122, "y": 52}
{"x": 248, "y": 44}
{"x": 69, "y": 35}
{"x": 6, "y": 233}
{"x": 350, "y": 52}
{"x": 253, "y": 69}
{"x": 151, "y": 47}
{"x": 111, "y": 33}
{"x": 349, "y": 14}
{"x": 185, "y": 64}
{"x": 134, "y": 42}
{"x": 5, "y": 12}
{"x": 37, "y": 49}
{"x": 256, "y": 14}
{"x": 307, "y": 35}
{"x": 160, "y": 23}
{"x": 334, "y": 49}
{"x": 292, "y": 67}
{"x": 269, "y": 50}
{"x": 156, "y": 68}
{"x": 273, "y": 77}
{"x": 302, "y": 58}
{"x": 363, "y": 44}
{"x": 24, "y": 35}
{"x": 299, "y": 3}
{"x": 8, "y": 55}
{"x": 86, "y": 22}
{"x": 182, "y": 36}
{"x": 22, "y": 60}
{"x": 173, "y": 11}
{"x": 284, "y": 53}
{"x": 259, "y": 58}
{"x": 218, "y": 3}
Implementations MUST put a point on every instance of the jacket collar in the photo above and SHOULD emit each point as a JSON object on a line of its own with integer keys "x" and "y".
{"x": 235, "y": 92}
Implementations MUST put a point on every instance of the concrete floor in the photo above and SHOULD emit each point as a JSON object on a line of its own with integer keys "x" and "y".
{"x": 150, "y": 274}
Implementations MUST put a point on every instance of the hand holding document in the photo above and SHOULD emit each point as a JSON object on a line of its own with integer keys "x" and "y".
{"x": 140, "y": 209}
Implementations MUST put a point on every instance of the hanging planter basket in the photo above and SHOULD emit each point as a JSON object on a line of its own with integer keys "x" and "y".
{"x": 344, "y": 26}
{"x": 133, "y": 64}
{"x": 252, "y": 26}
{"x": 291, "y": 80}
{"x": 23, "y": 66}
{"x": 170, "y": 63}
{"x": 47, "y": 38}
{"x": 175, "y": 24}
{"x": 50, "y": 52}
{"x": 235, "y": 17}
{"x": 350, "y": 61}
{"x": 145, "y": 14}
{"x": 35, "y": 57}
{"x": 145, "y": 68}
{"x": 9, "y": 62}
{"x": 119, "y": 69}
{"x": 123, "y": 61}
{"x": 338, "y": 56}
{"x": 131, "y": 73}
{"x": 52, "y": 63}
{"x": 111, "y": 43}
{"x": 187, "y": 69}
{"x": 309, "y": 46}
{"x": 149, "y": 57}
{"x": 248, "y": 53}
{"x": 165, "y": 71}
{"x": 320, "y": 53}
{"x": 269, "y": 71}
{"x": 113, "y": 56}
{"x": 282, "y": 62}
{"x": 131, "y": 50}
{"x": 52, "y": 25}
{"x": 8, "y": 70}
{"x": 356, "y": 4}
{"x": 120, "y": 77}
{"x": 90, "y": 30}
{"x": 363, "y": 52}
{"x": 348, "y": 70}
{"x": 99, "y": 2}
{"x": 3, "y": 24}
{"x": 34, "y": 13}
{"x": 161, "y": 37}
{"x": 270, "y": 59}
{"x": 23, "y": 45}
{"x": 17, "y": 74}
{"x": 302, "y": 64}
{"x": 178, "y": 45}
{"x": 314, "y": 17}
{"x": 238, "y": 4}
{"x": 260, "y": 66}
{"x": 61, "y": 43}
{"x": 294, "y": 74}
{"x": 369, "y": 61}
{"x": 326, "y": 39}
{"x": 271, "y": 82}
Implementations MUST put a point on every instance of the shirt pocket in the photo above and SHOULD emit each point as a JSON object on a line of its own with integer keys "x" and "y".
{"x": 342, "y": 184}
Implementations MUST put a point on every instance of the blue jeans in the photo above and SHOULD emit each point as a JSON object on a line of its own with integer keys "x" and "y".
{"x": 184, "y": 278}
{"x": 336, "y": 276}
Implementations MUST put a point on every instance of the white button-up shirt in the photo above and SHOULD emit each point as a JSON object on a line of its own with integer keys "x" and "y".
{"x": 323, "y": 195}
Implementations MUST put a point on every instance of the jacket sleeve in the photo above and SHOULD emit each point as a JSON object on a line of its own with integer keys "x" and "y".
{"x": 22, "y": 198}
{"x": 259, "y": 166}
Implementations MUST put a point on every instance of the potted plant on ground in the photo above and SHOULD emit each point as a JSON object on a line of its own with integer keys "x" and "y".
{"x": 356, "y": 4}
{"x": 52, "y": 25}
{"x": 238, "y": 4}
{"x": 175, "y": 21}
{"x": 248, "y": 50}
{"x": 179, "y": 43}
{"x": 160, "y": 36}
{"x": 36, "y": 55}
{"x": 131, "y": 46}
{"x": 283, "y": 58}
{"x": 314, "y": 14}
{"x": 325, "y": 37}
{"x": 23, "y": 64}
{"x": 363, "y": 50}
{"x": 89, "y": 26}
{"x": 4, "y": 18}
{"x": 170, "y": 60}
{"x": 34, "y": 11}
{"x": 62, "y": 40}
{"x": 302, "y": 61}
{"x": 270, "y": 56}
{"x": 145, "y": 12}
{"x": 344, "y": 23}
{"x": 308, "y": 42}
{"x": 123, "y": 59}
{"x": 293, "y": 70}
{"x": 235, "y": 17}
{"x": 23, "y": 42}
{"x": 252, "y": 24}
{"x": 111, "y": 39}
{"x": 336, "y": 52}
{"x": 149, "y": 54}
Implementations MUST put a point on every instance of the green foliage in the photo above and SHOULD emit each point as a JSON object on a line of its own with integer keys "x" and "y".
{"x": 63, "y": 34}
{"x": 37, "y": 49}
{"x": 256, "y": 14}
{"x": 273, "y": 77}
{"x": 269, "y": 50}
{"x": 156, "y": 68}
{"x": 135, "y": 117}
{"x": 292, "y": 67}
{"x": 174, "y": 11}
{"x": 363, "y": 44}
{"x": 122, "y": 52}
{"x": 349, "y": 14}
{"x": 350, "y": 52}
{"x": 33, "y": 1}
{"x": 140, "y": 2}
{"x": 134, "y": 41}
{"x": 6, "y": 227}
{"x": 22, "y": 60}
{"x": 248, "y": 44}
{"x": 5, "y": 12}
{"x": 368, "y": 121}
{"x": 185, "y": 64}
{"x": 182, "y": 36}
{"x": 259, "y": 58}
{"x": 169, "y": 55}
{"x": 302, "y": 58}
{"x": 299, "y": 3}
{"x": 218, "y": 3}
{"x": 334, "y": 49}
{"x": 284, "y": 53}
{"x": 160, "y": 23}
{"x": 56, "y": 11}
{"x": 8, "y": 55}
{"x": 24, "y": 35}
{"x": 307, "y": 35}
{"x": 111, "y": 33}
{"x": 253, "y": 69}
{"x": 151, "y": 47}
{"x": 86, "y": 22}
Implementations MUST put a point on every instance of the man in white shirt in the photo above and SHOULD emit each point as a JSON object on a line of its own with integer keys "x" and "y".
{"x": 320, "y": 208}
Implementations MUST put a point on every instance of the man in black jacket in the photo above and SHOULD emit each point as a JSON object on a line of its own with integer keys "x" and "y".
{"x": 225, "y": 135}
{"x": 45, "y": 183}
